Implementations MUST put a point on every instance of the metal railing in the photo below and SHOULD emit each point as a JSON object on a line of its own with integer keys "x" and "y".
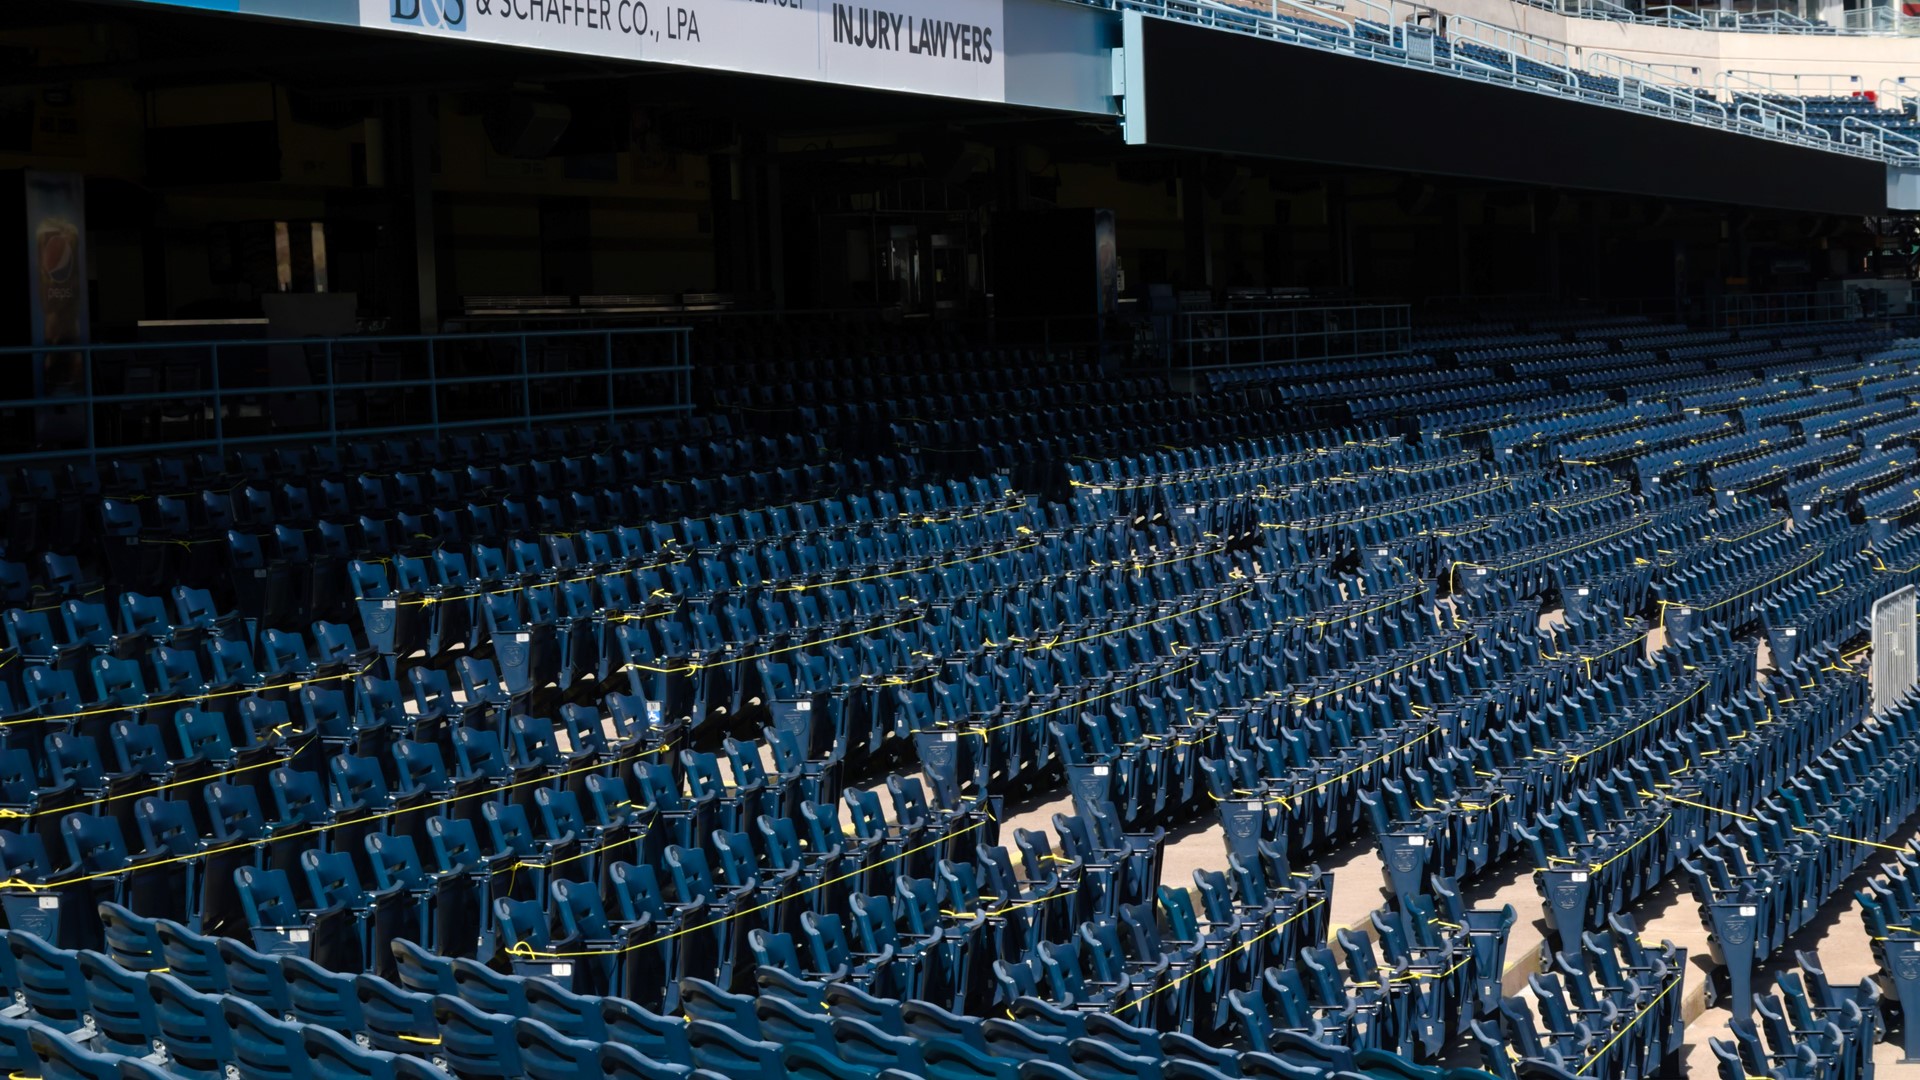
{"x": 221, "y": 395}
{"x": 1597, "y": 9}
{"x": 1744, "y": 81}
{"x": 1879, "y": 20}
{"x": 1780, "y": 122}
{"x": 1677, "y": 76}
{"x": 1857, "y": 131}
{"x": 1884, "y": 19}
{"x": 1903, "y": 93}
{"x": 1783, "y": 309}
{"x": 1336, "y": 13}
{"x": 1676, "y": 91}
{"x": 1673, "y": 101}
{"x": 1252, "y": 337}
{"x": 1461, "y": 28}
{"x": 1678, "y": 17}
{"x": 1324, "y": 23}
{"x": 1763, "y": 21}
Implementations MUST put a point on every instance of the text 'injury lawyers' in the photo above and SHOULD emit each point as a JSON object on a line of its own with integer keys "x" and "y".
{"x": 892, "y": 31}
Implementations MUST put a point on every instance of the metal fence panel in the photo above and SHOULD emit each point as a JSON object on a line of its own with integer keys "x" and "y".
{"x": 1254, "y": 337}
{"x": 1893, "y": 647}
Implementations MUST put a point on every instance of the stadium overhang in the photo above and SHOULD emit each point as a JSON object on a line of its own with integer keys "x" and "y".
{"x": 1200, "y": 89}
{"x": 1042, "y": 54}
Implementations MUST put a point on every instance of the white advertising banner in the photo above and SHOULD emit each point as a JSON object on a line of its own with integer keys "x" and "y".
{"x": 950, "y": 48}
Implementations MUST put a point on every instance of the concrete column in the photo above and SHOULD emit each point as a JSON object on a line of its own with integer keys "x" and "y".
{"x": 1193, "y": 216}
{"x": 420, "y": 134}
{"x": 722, "y": 181}
{"x": 776, "y": 236}
{"x": 1340, "y": 230}
{"x": 1462, "y": 247}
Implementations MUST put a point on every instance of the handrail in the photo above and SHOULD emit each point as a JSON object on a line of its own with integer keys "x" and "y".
{"x": 1662, "y": 74}
{"x": 1332, "y": 15}
{"x": 1811, "y": 85}
{"x": 1765, "y": 112}
{"x": 356, "y": 339}
{"x": 1781, "y": 309}
{"x": 1875, "y": 137}
{"x": 1679, "y": 84}
{"x": 1770, "y": 21}
{"x": 1902, "y": 91}
{"x": 1262, "y": 21}
{"x": 1681, "y": 17}
{"x": 1512, "y": 42}
{"x": 1607, "y": 8}
{"x": 1682, "y": 102}
{"x": 234, "y": 395}
{"x": 1471, "y": 67}
{"x": 1381, "y": 12}
{"x": 1251, "y": 337}
{"x": 1740, "y": 100}
{"x": 1683, "y": 97}
{"x": 1778, "y": 18}
{"x": 1880, "y": 17}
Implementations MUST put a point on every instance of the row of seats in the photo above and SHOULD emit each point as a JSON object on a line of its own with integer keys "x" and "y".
{"x": 1646, "y": 437}
{"x": 1610, "y": 1006}
{"x": 1846, "y": 486}
{"x": 1889, "y": 903}
{"x": 658, "y": 795}
{"x": 205, "y": 1007}
{"x": 1768, "y": 871}
{"x": 1689, "y": 466}
{"x": 1832, "y": 603}
{"x": 1811, "y": 1029}
{"x": 1456, "y": 811}
{"x": 1732, "y": 580}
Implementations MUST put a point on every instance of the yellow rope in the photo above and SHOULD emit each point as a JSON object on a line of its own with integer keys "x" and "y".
{"x": 1597, "y": 867}
{"x": 1575, "y": 759}
{"x": 1058, "y": 643}
{"x": 331, "y": 825}
{"x": 984, "y": 732}
{"x": 1303, "y": 700}
{"x": 524, "y": 951}
{"x": 169, "y": 702}
{"x": 1628, "y": 1026}
{"x": 1237, "y": 949}
{"x": 1414, "y": 509}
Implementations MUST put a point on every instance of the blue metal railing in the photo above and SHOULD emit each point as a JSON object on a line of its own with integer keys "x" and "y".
{"x": 214, "y": 395}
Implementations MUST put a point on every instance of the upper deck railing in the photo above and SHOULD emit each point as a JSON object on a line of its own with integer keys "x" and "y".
{"x": 1535, "y": 65}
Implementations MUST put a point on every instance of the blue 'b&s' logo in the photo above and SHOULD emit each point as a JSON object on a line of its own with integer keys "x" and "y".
{"x": 436, "y": 14}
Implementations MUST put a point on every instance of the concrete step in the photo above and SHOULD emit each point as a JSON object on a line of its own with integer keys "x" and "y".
{"x": 1838, "y": 938}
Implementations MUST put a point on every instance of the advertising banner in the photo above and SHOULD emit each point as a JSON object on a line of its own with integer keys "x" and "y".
{"x": 949, "y": 48}
{"x": 57, "y": 274}
{"x": 1048, "y": 54}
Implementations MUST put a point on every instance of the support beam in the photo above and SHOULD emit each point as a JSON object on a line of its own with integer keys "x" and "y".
{"x": 418, "y": 138}
{"x": 1193, "y": 216}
